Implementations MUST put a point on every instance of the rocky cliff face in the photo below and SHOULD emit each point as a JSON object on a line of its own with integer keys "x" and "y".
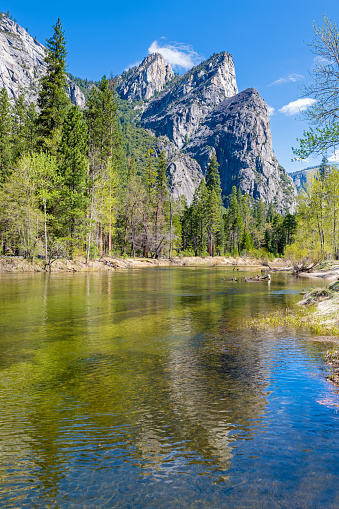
{"x": 238, "y": 132}
{"x": 145, "y": 80}
{"x": 22, "y": 64}
{"x": 184, "y": 173}
{"x": 202, "y": 113}
{"x": 178, "y": 111}
{"x": 300, "y": 177}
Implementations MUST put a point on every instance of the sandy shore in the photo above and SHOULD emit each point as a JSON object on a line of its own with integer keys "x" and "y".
{"x": 330, "y": 274}
{"x": 326, "y": 312}
{"x": 20, "y": 264}
{"x": 318, "y": 311}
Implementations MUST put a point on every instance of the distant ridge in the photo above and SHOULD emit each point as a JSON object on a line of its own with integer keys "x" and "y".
{"x": 300, "y": 177}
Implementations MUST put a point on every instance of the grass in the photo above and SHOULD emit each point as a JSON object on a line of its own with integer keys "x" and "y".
{"x": 321, "y": 320}
{"x": 304, "y": 318}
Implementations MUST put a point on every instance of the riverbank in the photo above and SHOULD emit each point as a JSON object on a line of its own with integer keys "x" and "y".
{"x": 329, "y": 272}
{"x": 318, "y": 311}
{"x": 19, "y": 264}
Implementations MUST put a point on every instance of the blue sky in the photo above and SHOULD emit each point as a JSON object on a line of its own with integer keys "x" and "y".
{"x": 268, "y": 41}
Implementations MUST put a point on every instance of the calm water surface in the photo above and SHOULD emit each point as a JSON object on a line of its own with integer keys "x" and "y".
{"x": 146, "y": 389}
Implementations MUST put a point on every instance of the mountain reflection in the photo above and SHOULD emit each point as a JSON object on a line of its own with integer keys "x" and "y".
{"x": 146, "y": 370}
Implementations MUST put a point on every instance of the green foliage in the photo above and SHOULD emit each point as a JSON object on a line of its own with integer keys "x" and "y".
{"x": 5, "y": 135}
{"x": 20, "y": 216}
{"x": 53, "y": 101}
{"x": 247, "y": 242}
{"x": 137, "y": 141}
{"x": 72, "y": 206}
{"x": 318, "y": 212}
{"x": 213, "y": 177}
{"x": 186, "y": 253}
{"x": 323, "y": 87}
{"x": 24, "y": 128}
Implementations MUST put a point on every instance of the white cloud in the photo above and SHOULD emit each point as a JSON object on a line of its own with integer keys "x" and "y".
{"x": 334, "y": 158}
{"x": 177, "y": 54}
{"x": 271, "y": 111}
{"x": 287, "y": 79}
{"x": 295, "y": 107}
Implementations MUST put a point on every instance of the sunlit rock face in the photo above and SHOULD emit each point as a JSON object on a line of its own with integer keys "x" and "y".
{"x": 178, "y": 111}
{"x": 145, "y": 80}
{"x": 201, "y": 113}
{"x": 183, "y": 172}
{"x": 22, "y": 64}
{"x": 238, "y": 132}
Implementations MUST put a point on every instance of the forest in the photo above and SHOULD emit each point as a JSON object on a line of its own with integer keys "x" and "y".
{"x": 91, "y": 183}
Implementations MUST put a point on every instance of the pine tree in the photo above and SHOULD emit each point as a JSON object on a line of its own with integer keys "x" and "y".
{"x": 215, "y": 229}
{"x": 161, "y": 209}
{"x": 105, "y": 140}
{"x": 324, "y": 168}
{"x": 213, "y": 222}
{"x": 162, "y": 182}
{"x": 213, "y": 177}
{"x": 5, "y": 135}
{"x": 24, "y": 128}
{"x": 53, "y": 101}
{"x": 73, "y": 172}
{"x": 106, "y": 157}
{"x": 233, "y": 221}
{"x": 200, "y": 216}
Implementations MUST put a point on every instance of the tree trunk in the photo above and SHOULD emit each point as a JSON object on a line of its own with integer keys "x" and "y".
{"x": 46, "y": 251}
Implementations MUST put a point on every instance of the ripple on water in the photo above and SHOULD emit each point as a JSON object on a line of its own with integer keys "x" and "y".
{"x": 145, "y": 389}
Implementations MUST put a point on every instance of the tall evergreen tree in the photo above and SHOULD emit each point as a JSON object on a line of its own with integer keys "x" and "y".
{"x": 215, "y": 227}
{"x": 199, "y": 214}
{"x": 73, "y": 172}
{"x": 19, "y": 127}
{"x": 53, "y": 101}
{"x": 213, "y": 177}
{"x": 106, "y": 156}
{"x": 31, "y": 122}
{"x": 5, "y": 135}
{"x": 105, "y": 140}
{"x": 213, "y": 221}
{"x": 24, "y": 128}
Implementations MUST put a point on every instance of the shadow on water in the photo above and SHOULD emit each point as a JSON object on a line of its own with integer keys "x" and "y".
{"x": 146, "y": 389}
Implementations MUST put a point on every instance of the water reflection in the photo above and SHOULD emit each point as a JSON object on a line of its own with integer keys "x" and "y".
{"x": 109, "y": 381}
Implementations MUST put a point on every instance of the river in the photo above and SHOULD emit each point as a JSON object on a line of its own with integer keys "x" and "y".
{"x": 147, "y": 389}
